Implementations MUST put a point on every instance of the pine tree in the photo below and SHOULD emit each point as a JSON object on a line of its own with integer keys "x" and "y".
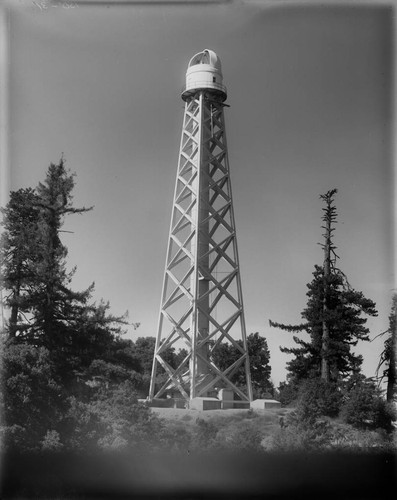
{"x": 332, "y": 318}
{"x": 56, "y": 304}
{"x": 388, "y": 355}
{"x": 44, "y": 310}
{"x": 259, "y": 358}
{"x": 17, "y": 254}
{"x": 59, "y": 349}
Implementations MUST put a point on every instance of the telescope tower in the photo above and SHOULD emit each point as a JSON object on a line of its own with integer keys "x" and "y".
{"x": 201, "y": 306}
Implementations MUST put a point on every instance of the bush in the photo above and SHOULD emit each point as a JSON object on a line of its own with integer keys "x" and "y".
{"x": 52, "y": 442}
{"x": 82, "y": 426}
{"x": 344, "y": 437}
{"x": 296, "y": 437}
{"x": 243, "y": 436}
{"x": 287, "y": 393}
{"x": 366, "y": 409}
{"x": 175, "y": 437}
{"x": 204, "y": 435}
{"x": 317, "y": 398}
{"x": 32, "y": 399}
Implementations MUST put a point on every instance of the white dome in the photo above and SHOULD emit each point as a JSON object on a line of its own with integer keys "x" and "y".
{"x": 204, "y": 72}
{"x": 207, "y": 57}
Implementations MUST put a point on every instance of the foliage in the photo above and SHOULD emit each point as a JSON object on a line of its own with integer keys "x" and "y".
{"x": 128, "y": 423}
{"x": 21, "y": 221}
{"x": 71, "y": 382}
{"x": 388, "y": 355}
{"x": 346, "y": 329}
{"x": 33, "y": 400}
{"x": 259, "y": 359}
{"x": 365, "y": 408}
{"x": 143, "y": 351}
{"x": 81, "y": 426}
{"x": 308, "y": 427}
{"x": 176, "y": 436}
{"x": 317, "y": 398}
{"x": 296, "y": 436}
{"x": 225, "y": 355}
{"x": 230, "y": 433}
{"x": 364, "y": 421}
{"x": 58, "y": 349}
{"x": 241, "y": 437}
{"x": 345, "y": 436}
{"x": 327, "y": 435}
{"x": 43, "y": 306}
{"x": 205, "y": 435}
{"x": 333, "y": 307}
{"x": 287, "y": 393}
{"x": 52, "y": 442}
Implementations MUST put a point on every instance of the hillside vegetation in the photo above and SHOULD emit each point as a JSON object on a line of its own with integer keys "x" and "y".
{"x": 71, "y": 382}
{"x": 264, "y": 431}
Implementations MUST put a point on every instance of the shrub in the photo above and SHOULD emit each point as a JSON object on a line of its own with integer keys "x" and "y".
{"x": 344, "y": 436}
{"x": 240, "y": 437}
{"x": 125, "y": 422}
{"x": 317, "y": 398}
{"x": 366, "y": 409}
{"x": 287, "y": 393}
{"x": 175, "y": 437}
{"x": 204, "y": 435}
{"x": 295, "y": 437}
{"x": 82, "y": 426}
{"x": 52, "y": 441}
{"x": 32, "y": 399}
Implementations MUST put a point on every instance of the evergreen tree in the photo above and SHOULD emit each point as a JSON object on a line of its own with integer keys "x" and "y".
{"x": 53, "y": 332}
{"x": 332, "y": 318}
{"x": 57, "y": 306}
{"x": 388, "y": 355}
{"x": 17, "y": 255}
{"x": 33, "y": 266}
{"x": 259, "y": 358}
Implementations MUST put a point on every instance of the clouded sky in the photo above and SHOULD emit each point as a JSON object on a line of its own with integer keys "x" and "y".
{"x": 310, "y": 90}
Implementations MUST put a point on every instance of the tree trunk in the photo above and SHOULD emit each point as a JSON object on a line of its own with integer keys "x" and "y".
{"x": 14, "y": 313}
{"x": 391, "y": 374}
{"x": 16, "y": 293}
{"x": 325, "y": 368}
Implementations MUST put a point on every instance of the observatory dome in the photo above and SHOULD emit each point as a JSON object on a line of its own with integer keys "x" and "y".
{"x": 204, "y": 72}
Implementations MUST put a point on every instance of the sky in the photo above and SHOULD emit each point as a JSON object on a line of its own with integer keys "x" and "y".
{"x": 310, "y": 89}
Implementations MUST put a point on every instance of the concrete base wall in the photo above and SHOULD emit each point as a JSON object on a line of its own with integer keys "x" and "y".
{"x": 241, "y": 405}
{"x": 265, "y": 404}
{"x": 180, "y": 403}
{"x": 165, "y": 403}
{"x": 159, "y": 402}
{"x": 227, "y": 398}
{"x": 202, "y": 404}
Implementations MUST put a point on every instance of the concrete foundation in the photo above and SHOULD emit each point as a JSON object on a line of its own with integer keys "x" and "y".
{"x": 265, "y": 404}
{"x": 227, "y": 398}
{"x": 202, "y": 404}
{"x": 224, "y": 401}
{"x": 241, "y": 405}
{"x": 165, "y": 402}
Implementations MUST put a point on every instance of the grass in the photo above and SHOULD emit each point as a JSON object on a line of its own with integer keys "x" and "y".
{"x": 260, "y": 430}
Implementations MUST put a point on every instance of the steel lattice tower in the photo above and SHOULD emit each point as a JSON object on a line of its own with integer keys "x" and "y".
{"x": 201, "y": 303}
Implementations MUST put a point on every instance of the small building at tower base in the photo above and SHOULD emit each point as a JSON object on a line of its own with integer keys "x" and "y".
{"x": 265, "y": 404}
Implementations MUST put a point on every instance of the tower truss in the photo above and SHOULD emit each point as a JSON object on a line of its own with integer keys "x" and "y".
{"x": 202, "y": 304}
